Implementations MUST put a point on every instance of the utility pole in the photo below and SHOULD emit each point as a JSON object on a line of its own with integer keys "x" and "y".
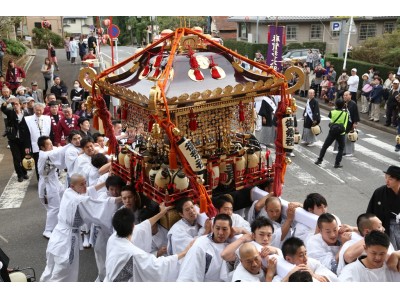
{"x": 348, "y": 42}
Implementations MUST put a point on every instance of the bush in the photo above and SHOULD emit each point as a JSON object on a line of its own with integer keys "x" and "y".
{"x": 15, "y": 48}
{"x": 42, "y": 35}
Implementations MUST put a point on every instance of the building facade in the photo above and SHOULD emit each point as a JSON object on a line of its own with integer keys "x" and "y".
{"x": 313, "y": 29}
{"x": 71, "y": 26}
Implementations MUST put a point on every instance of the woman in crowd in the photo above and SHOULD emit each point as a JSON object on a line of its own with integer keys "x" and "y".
{"x": 48, "y": 73}
{"x": 15, "y": 75}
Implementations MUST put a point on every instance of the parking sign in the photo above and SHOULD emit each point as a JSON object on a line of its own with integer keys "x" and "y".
{"x": 336, "y": 26}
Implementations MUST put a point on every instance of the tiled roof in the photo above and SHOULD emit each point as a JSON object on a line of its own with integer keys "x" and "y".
{"x": 298, "y": 19}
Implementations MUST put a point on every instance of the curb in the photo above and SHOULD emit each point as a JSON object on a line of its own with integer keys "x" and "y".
{"x": 363, "y": 118}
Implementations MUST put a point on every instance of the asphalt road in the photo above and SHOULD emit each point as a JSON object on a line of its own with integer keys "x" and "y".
{"x": 347, "y": 190}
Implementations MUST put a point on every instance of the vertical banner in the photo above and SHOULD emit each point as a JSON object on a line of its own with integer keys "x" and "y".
{"x": 275, "y": 46}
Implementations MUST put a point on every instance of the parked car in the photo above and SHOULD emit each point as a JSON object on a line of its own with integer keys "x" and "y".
{"x": 297, "y": 55}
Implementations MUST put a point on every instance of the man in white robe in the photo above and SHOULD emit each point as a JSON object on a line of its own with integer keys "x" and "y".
{"x": 372, "y": 266}
{"x": 50, "y": 189}
{"x": 203, "y": 262}
{"x": 296, "y": 259}
{"x": 71, "y": 153}
{"x": 38, "y": 125}
{"x": 325, "y": 246}
{"x": 354, "y": 247}
{"x": 127, "y": 263}
{"x": 249, "y": 269}
{"x": 78, "y": 205}
{"x": 187, "y": 228}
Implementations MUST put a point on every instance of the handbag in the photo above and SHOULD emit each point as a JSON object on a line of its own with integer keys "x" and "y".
{"x": 367, "y": 88}
{"x": 336, "y": 129}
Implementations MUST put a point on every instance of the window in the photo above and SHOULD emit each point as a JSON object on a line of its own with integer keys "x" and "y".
{"x": 69, "y": 21}
{"x": 335, "y": 34}
{"x": 291, "y": 32}
{"x": 388, "y": 27}
{"x": 367, "y": 30}
{"x": 243, "y": 30}
{"x": 316, "y": 32}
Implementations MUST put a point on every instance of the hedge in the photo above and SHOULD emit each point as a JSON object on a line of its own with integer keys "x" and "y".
{"x": 361, "y": 66}
{"x": 15, "y": 48}
{"x": 250, "y": 49}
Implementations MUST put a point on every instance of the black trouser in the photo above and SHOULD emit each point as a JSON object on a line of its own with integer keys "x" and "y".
{"x": 390, "y": 113}
{"x": 68, "y": 55}
{"x": 18, "y": 153}
{"x": 354, "y": 96}
{"x": 329, "y": 140}
{"x": 36, "y": 158}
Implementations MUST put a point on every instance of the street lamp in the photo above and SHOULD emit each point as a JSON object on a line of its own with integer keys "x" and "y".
{"x": 130, "y": 31}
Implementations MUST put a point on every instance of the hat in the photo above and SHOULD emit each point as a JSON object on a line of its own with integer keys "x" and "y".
{"x": 52, "y": 103}
{"x": 81, "y": 120}
{"x": 365, "y": 75}
{"x": 20, "y": 88}
{"x": 29, "y": 98}
{"x": 354, "y": 70}
{"x": 395, "y": 81}
{"x": 34, "y": 83}
{"x": 393, "y": 171}
{"x": 22, "y": 99}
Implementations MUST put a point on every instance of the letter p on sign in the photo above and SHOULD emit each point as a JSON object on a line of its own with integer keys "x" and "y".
{"x": 336, "y": 26}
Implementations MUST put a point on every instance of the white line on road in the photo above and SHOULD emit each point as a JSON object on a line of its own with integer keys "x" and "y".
{"x": 372, "y": 154}
{"x": 370, "y": 135}
{"x": 116, "y": 61}
{"x": 3, "y": 238}
{"x": 305, "y": 178}
{"x": 309, "y": 155}
{"x": 380, "y": 144}
{"x": 14, "y": 192}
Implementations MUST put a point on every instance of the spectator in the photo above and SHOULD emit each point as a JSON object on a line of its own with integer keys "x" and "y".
{"x": 92, "y": 42}
{"x": 88, "y": 56}
{"x": 14, "y": 76}
{"x": 76, "y": 95}
{"x": 319, "y": 71}
{"x": 392, "y": 104}
{"x": 60, "y": 90}
{"x": 35, "y": 93}
{"x": 82, "y": 49}
{"x": 3, "y": 49}
{"x": 365, "y": 94}
{"x": 66, "y": 47}
{"x": 73, "y": 49}
{"x": 309, "y": 59}
{"x": 306, "y": 85}
{"x": 52, "y": 54}
{"x": 376, "y": 99}
{"x": 3, "y": 82}
{"x": 353, "y": 84}
{"x": 48, "y": 74}
{"x": 342, "y": 83}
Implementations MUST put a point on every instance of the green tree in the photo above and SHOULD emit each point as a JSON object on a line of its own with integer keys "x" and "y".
{"x": 381, "y": 50}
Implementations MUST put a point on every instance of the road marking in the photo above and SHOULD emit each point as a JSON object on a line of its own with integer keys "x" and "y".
{"x": 311, "y": 156}
{"x": 372, "y": 154}
{"x": 305, "y": 178}
{"x": 380, "y": 144}
{"x": 116, "y": 61}
{"x": 14, "y": 192}
{"x": 368, "y": 134}
{"x": 4, "y": 239}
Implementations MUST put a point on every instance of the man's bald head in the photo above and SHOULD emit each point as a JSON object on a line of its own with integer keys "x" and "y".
{"x": 250, "y": 258}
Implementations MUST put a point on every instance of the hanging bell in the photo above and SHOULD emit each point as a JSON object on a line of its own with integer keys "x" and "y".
{"x": 28, "y": 163}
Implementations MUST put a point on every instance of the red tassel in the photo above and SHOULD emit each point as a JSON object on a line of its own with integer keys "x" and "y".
{"x": 199, "y": 76}
{"x": 124, "y": 111}
{"x": 157, "y": 63}
{"x": 241, "y": 112}
{"x": 146, "y": 71}
{"x": 193, "y": 121}
{"x": 150, "y": 127}
{"x": 214, "y": 71}
{"x": 156, "y": 72}
{"x": 96, "y": 122}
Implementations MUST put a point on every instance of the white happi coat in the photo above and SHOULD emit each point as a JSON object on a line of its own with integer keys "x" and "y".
{"x": 50, "y": 189}
{"x": 37, "y": 128}
{"x": 238, "y": 221}
{"x": 242, "y": 275}
{"x": 126, "y": 262}
{"x": 314, "y": 266}
{"x": 180, "y": 235}
{"x": 159, "y": 240}
{"x": 357, "y": 272}
{"x": 142, "y": 237}
{"x": 65, "y": 241}
{"x": 203, "y": 262}
{"x": 82, "y": 165}
{"x": 71, "y": 154}
{"x": 317, "y": 248}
